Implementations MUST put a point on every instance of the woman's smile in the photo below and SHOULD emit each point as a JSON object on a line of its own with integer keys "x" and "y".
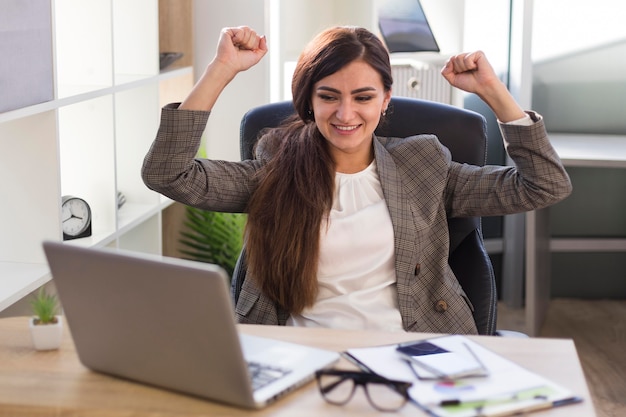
{"x": 347, "y": 129}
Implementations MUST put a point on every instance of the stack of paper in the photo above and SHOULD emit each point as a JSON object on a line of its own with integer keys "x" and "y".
{"x": 507, "y": 388}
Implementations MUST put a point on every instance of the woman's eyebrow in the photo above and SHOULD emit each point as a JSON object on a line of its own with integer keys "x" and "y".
{"x": 357, "y": 91}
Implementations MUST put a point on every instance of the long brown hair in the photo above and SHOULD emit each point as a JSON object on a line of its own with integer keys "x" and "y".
{"x": 296, "y": 186}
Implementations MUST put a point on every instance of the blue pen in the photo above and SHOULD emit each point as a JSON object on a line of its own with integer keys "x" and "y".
{"x": 566, "y": 401}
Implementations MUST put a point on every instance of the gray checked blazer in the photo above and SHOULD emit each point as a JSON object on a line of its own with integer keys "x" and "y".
{"x": 422, "y": 187}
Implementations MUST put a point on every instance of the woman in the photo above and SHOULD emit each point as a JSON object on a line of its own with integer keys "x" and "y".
{"x": 345, "y": 229}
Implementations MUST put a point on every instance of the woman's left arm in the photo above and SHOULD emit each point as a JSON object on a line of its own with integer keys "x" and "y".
{"x": 538, "y": 179}
{"x": 473, "y": 73}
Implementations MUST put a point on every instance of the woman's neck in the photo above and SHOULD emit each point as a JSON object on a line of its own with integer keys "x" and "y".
{"x": 353, "y": 163}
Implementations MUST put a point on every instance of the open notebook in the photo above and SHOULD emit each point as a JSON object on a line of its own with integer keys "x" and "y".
{"x": 170, "y": 323}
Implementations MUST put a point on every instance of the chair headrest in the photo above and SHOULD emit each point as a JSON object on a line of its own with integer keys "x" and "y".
{"x": 462, "y": 131}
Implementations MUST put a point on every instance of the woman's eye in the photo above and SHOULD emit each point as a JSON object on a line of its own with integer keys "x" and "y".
{"x": 325, "y": 97}
{"x": 364, "y": 98}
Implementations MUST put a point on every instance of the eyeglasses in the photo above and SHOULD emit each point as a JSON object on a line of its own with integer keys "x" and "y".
{"x": 337, "y": 387}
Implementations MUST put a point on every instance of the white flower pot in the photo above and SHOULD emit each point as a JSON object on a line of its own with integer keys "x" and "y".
{"x": 46, "y": 336}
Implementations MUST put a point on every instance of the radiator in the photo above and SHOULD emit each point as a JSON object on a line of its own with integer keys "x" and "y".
{"x": 420, "y": 80}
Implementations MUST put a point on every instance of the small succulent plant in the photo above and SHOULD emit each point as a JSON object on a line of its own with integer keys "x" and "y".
{"x": 45, "y": 307}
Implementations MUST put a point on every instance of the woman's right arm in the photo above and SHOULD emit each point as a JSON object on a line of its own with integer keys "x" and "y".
{"x": 237, "y": 50}
{"x": 170, "y": 166}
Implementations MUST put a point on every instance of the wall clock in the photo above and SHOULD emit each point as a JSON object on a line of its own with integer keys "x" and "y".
{"x": 75, "y": 217}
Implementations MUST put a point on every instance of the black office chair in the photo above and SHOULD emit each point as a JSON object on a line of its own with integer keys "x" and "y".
{"x": 464, "y": 133}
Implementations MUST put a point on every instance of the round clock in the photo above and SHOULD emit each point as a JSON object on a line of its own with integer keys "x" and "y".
{"x": 75, "y": 217}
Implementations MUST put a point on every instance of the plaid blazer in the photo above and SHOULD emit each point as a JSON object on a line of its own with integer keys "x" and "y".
{"x": 422, "y": 187}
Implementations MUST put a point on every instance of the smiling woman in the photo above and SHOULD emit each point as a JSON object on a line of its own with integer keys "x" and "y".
{"x": 346, "y": 229}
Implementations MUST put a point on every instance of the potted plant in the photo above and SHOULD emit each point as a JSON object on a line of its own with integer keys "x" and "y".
{"x": 46, "y": 326}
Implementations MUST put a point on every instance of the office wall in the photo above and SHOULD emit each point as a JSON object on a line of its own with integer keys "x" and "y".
{"x": 583, "y": 91}
{"x": 249, "y": 89}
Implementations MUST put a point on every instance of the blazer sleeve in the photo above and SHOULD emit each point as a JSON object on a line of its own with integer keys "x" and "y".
{"x": 537, "y": 180}
{"x": 171, "y": 168}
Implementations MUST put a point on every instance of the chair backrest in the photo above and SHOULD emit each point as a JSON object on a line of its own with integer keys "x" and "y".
{"x": 463, "y": 132}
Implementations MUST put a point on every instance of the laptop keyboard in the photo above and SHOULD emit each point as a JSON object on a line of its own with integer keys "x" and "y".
{"x": 263, "y": 374}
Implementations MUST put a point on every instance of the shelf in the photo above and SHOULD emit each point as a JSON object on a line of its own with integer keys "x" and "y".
{"x": 19, "y": 280}
{"x": 83, "y": 46}
{"x": 132, "y": 215}
{"x": 174, "y": 15}
{"x": 28, "y": 163}
{"x": 89, "y": 139}
{"x": 130, "y": 83}
{"x": 145, "y": 237}
{"x": 136, "y": 222}
{"x": 135, "y": 39}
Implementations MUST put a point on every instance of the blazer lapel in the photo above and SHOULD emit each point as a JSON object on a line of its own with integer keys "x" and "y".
{"x": 405, "y": 231}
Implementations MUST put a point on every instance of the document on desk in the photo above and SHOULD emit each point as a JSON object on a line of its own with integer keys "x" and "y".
{"x": 504, "y": 388}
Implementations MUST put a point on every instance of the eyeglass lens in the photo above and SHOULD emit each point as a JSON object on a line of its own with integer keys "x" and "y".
{"x": 339, "y": 389}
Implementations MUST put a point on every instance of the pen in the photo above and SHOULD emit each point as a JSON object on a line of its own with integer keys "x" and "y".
{"x": 515, "y": 397}
{"x": 566, "y": 401}
{"x": 531, "y": 394}
{"x": 541, "y": 406}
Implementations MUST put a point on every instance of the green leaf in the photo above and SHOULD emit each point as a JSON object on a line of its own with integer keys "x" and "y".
{"x": 213, "y": 237}
{"x": 45, "y": 306}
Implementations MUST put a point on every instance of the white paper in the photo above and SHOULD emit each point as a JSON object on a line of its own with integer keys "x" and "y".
{"x": 503, "y": 391}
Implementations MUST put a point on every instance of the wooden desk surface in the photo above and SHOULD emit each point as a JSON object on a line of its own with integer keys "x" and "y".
{"x": 54, "y": 383}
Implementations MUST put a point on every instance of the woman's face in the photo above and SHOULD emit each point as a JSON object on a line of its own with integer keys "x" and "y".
{"x": 347, "y": 107}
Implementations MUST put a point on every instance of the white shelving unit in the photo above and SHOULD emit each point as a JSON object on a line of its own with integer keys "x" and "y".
{"x": 90, "y": 139}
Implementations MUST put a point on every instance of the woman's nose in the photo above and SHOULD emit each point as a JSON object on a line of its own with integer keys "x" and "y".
{"x": 345, "y": 111}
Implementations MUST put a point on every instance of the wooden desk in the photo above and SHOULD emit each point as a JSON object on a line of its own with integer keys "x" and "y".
{"x": 54, "y": 383}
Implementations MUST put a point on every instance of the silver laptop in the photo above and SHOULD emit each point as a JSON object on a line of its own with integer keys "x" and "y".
{"x": 170, "y": 323}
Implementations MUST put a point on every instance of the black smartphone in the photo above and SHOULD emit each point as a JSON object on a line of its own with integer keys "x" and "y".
{"x": 433, "y": 361}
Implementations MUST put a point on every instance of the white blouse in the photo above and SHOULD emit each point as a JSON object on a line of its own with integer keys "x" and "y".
{"x": 356, "y": 272}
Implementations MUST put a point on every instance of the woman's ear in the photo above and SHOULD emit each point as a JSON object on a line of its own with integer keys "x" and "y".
{"x": 386, "y": 101}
